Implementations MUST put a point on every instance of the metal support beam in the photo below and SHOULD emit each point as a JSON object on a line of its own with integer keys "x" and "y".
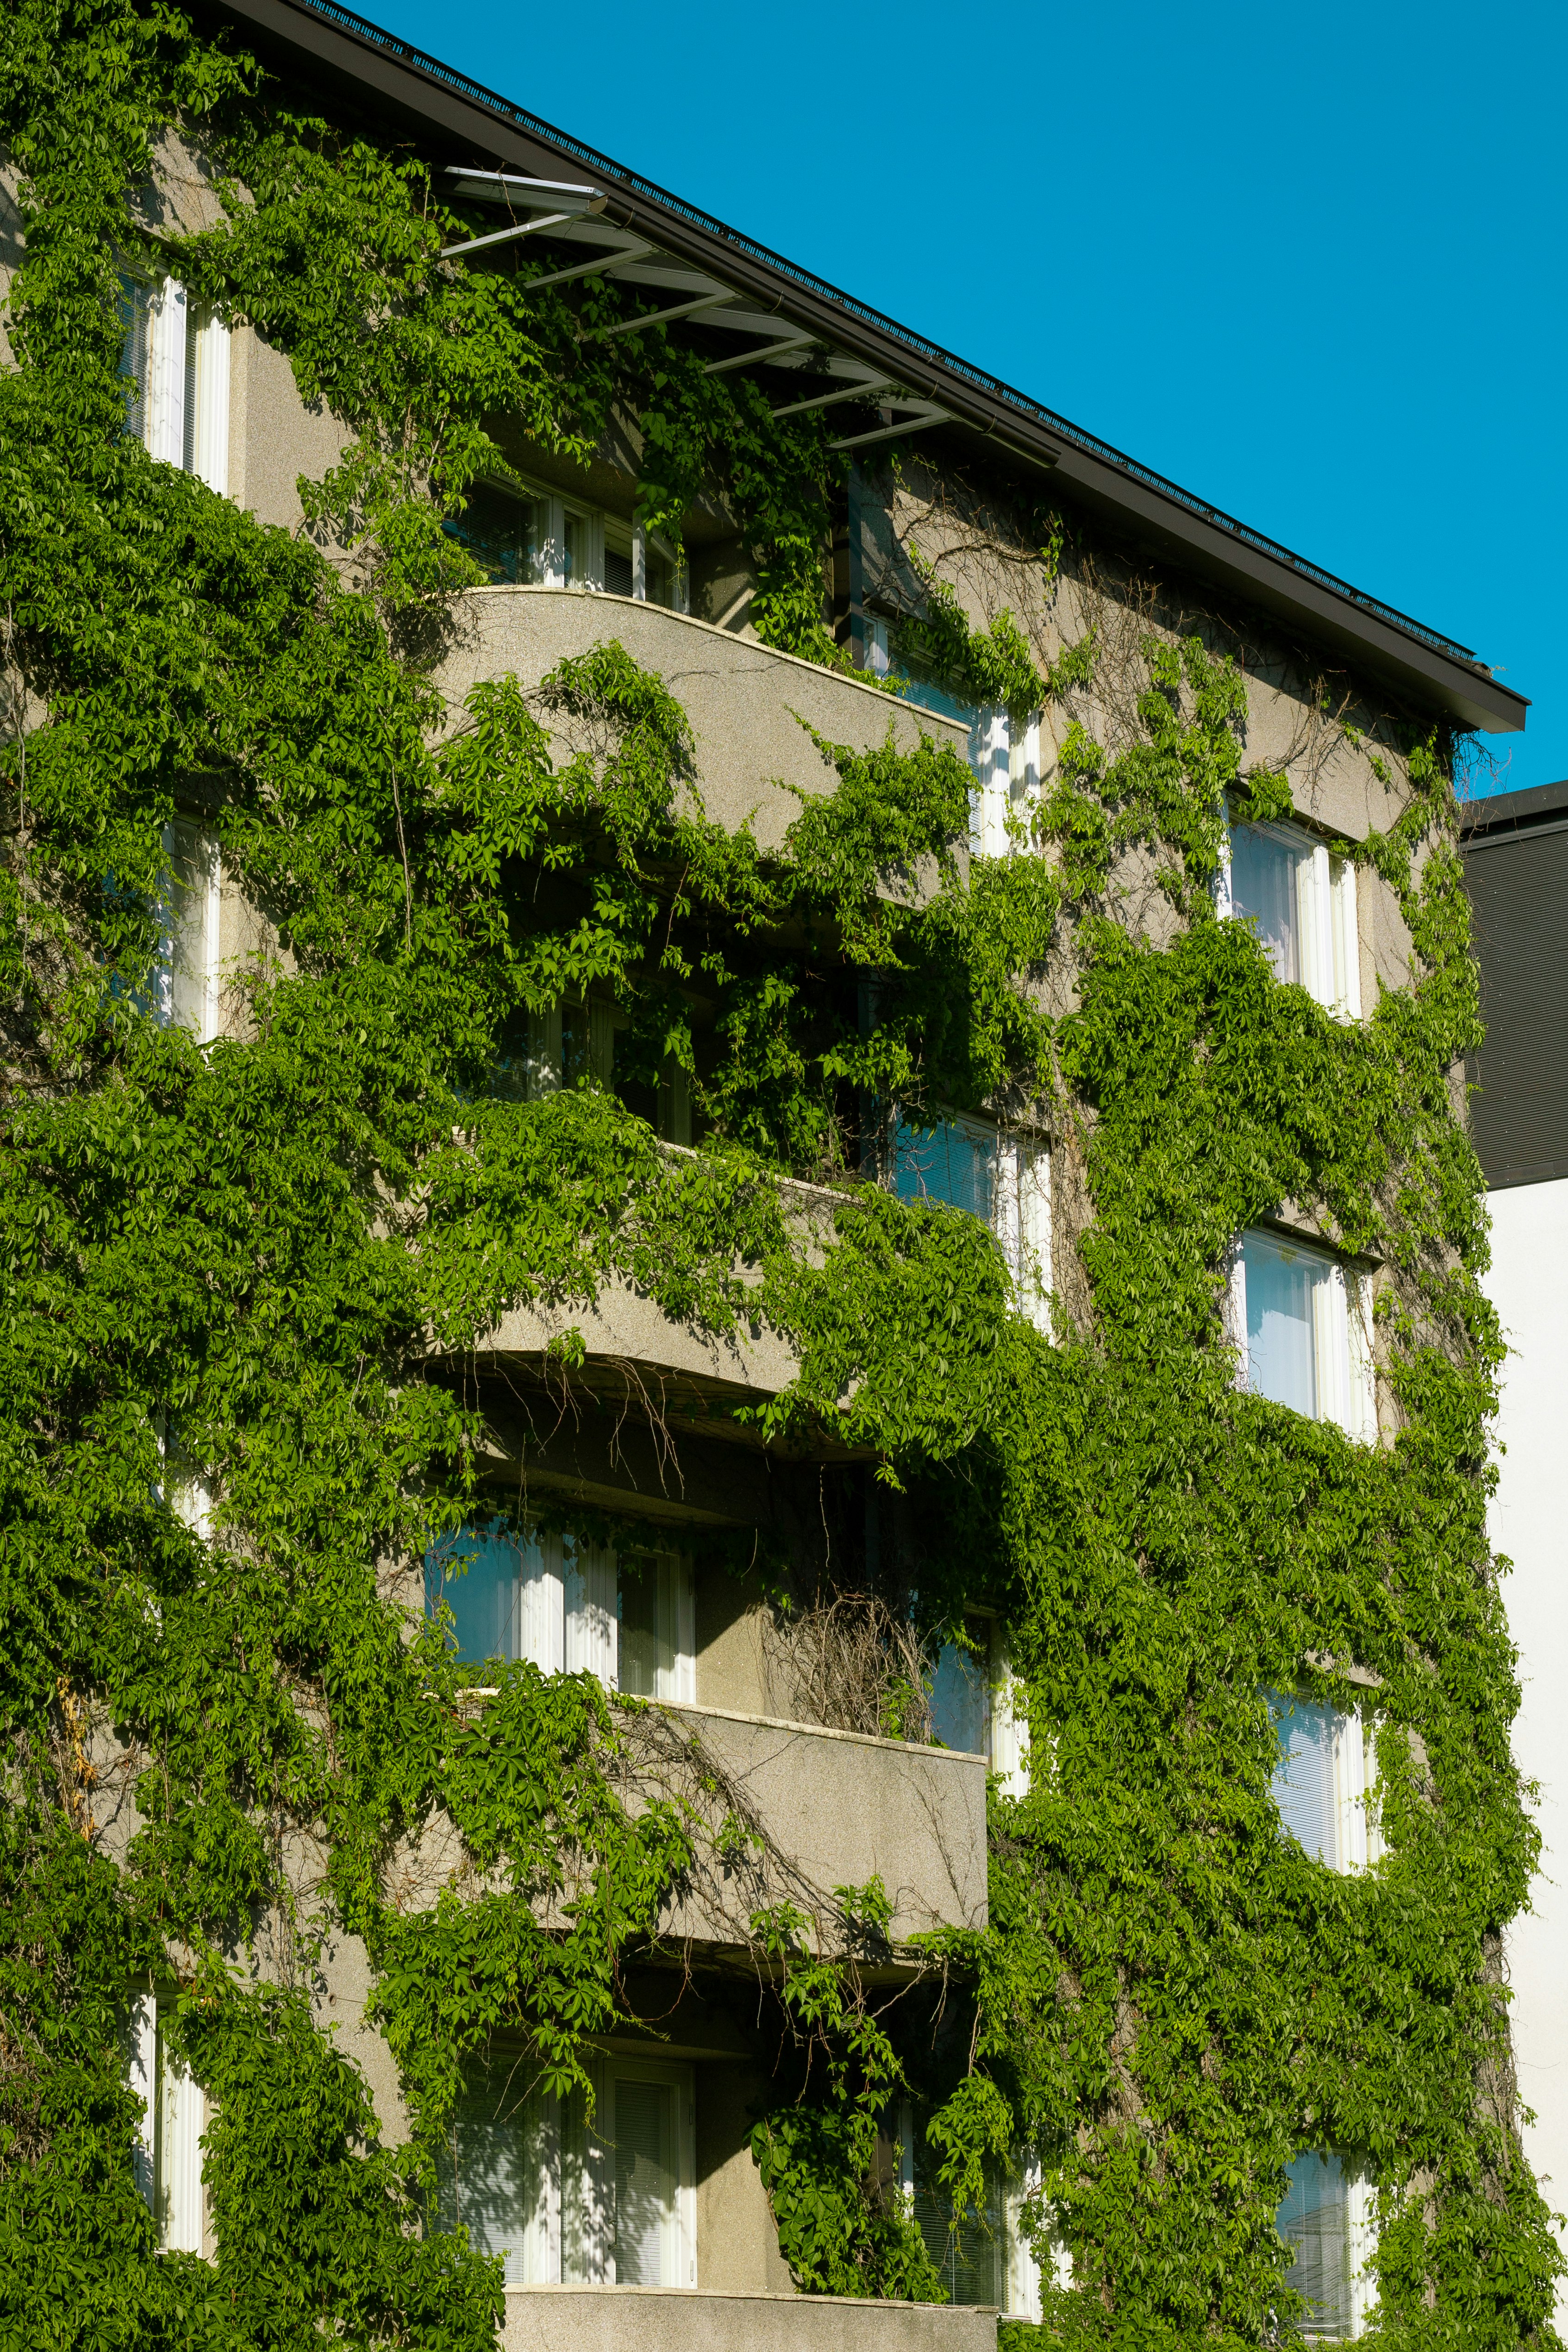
{"x": 851, "y": 390}
{"x": 759, "y": 358}
{"x": 499, "y": 235}
{"x": 601, "y": 268}
{"x": 891, "y": 432}
{"x": 676, "y": 310}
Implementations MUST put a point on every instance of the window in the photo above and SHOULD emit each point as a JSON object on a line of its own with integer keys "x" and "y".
{"x": 1299, "y": 1318}
{"x": 1324, "y": 1782}
{"x": 177, "y": 356}
{"x": 1004, "y": 1181}
{"x": 1325, "y": 2219}
{"x": 973, "y": 1707}
{"x": 566, "y": 2198}
{"x": 168, "y": 2150}
{"x": 568, "y": 1606}
{"x": 981, "y": 2257}
{"x": 187, "y": 987}
{"x": 1300, "y": 901}
{"x": 1004, "y": 752}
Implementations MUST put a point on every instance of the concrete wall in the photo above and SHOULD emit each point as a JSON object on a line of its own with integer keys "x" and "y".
{"x": 845, "y": 1808}
{"x": 1529, "y": 1286}
{"x": 671, "y": 2319}
{"x": 741, "y": 698}
{"x": 737, "y": 2243}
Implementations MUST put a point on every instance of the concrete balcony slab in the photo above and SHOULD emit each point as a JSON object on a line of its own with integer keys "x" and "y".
{"x": 743, "y": 698}
{"x": 839, "y": 1809}
{"x": 695, "y": 2319}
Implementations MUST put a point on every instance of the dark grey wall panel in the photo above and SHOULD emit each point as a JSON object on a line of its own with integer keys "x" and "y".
{"x": 1519, "y": 893}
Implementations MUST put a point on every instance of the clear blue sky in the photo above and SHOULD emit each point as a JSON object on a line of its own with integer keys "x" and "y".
{"x": 1307, "y": 261}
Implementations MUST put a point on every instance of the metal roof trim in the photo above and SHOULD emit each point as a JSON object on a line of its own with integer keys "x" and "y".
{"x": 1504, "y": 705}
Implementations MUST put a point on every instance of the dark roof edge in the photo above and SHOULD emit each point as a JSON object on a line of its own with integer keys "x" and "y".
{"x": 1425, "y": 664}
{"x": 1513, "y": 812}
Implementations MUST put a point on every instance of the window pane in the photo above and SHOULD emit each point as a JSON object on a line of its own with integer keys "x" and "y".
{"x": 492, "y": 2176}
{"x": 1303, "y": 1783}
{"x": 188, "y": 913}
{"x": 1314, "y": 2220}
{"x": 969, "y": 2253}
{"x": 645, "y": 2183}
{"x": 617, "y": 572}
{"x": 1263, "y": 892}
{"x": 477, "y": 1572}
{"x": 498, "y": 531}
{"x": 946, "y": 1162}
{"x": 1280, "y": 1350}
{"x": 647, "y": 1624}
{"x": 958, "y": 1698}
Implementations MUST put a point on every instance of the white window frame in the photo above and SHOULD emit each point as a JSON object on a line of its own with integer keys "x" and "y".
{"x": 1354, "y": 1811}
{"x": 1327, "y": 932}
{"x": 190, "y": 928}
{"x": 180, "y": 413}
{"x": 1345, "y": 1374}
{"x": 166, "y": 2155}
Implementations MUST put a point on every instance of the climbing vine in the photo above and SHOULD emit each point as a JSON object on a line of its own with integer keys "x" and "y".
{"x": 238, "y": 1257}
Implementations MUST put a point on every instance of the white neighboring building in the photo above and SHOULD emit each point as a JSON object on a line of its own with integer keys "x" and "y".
{"x": 1516, "y": 859}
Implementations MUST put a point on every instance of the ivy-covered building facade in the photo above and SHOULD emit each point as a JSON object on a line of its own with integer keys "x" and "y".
{"x": 744, "y": 1435}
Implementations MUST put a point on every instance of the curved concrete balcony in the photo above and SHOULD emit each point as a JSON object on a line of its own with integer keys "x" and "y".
{"x": 782, "y": 1814}
{"x": 837, "y": 1809}
{"x": 745, "y": 702}
{"x": 698, "y": 2319}
{"x": 635, "y": 1352}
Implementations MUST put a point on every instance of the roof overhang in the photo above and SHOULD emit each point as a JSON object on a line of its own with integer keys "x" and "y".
{"x": 713, "y": 273}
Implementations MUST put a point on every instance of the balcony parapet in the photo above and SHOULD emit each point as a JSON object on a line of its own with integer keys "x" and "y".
{"x": 783, "y": 1813}
{"x": 702, "y": 2319}
{"x": 840, "y": 1807}
{"x": 629, "y": 1338}
{"x": 739, "y": 697}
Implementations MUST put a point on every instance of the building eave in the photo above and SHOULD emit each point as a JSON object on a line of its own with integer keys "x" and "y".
{"x": 462, "y": 121}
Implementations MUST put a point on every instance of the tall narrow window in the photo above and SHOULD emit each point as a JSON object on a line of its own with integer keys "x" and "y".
{"x": 991, "y": 802}
{"x": 655, "y": 1595}
{"x": 1324, "y": 1782}
{"x": 176, "y": 361}
{"x": 567, "y": 1605}
{"x": 1325, "y": 2219}
{"x": 188, "y": 982}
{"x": 572, "y": 2193}
{"x": 975, "y": 1704}
{"x": 1023, "y": 1225}
{"x": 167, "y": 2157}
{"x": 1299, "y": 1319}
{"x": 1300, "y": 899}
